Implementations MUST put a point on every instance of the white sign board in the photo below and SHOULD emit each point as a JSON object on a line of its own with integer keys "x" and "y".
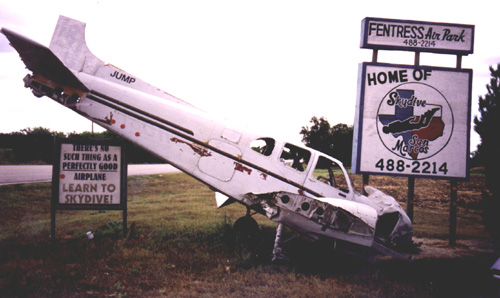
{"x": 420, "y": 36}
{"x": 412, "y": 121}
{"x": 89, "y": 174}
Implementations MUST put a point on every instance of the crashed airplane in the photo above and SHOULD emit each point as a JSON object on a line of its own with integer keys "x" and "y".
{"x": 297, "y": 187}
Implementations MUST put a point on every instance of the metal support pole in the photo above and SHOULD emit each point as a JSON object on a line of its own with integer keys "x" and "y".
{"x": 459, "y": 61}
{"x": 374, "y": 55}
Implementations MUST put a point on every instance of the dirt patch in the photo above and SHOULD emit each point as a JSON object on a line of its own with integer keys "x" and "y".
{"x": 438, "y": 248}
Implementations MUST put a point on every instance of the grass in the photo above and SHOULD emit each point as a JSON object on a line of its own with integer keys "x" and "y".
{"x": 181, "y": 245}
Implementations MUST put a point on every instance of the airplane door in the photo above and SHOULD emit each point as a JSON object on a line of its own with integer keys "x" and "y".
{"x": 328, "y": 178}
{"x": 295, "y": 163}
{"x": 217, "y": 165}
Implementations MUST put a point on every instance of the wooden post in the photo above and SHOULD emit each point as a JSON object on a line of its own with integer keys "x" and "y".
{"x": 366, "y": 178}
{"x": 124, "y": 222}
{"x": 411, "y": 196}
{"x": 124, "y": 190}
{"x": 56, "y": 152}
{"x": 453, "y": 212}
{"x": 53, "y": 224}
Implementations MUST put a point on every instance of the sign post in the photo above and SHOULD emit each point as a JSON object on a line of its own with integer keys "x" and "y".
{"x": 88, "y": 175}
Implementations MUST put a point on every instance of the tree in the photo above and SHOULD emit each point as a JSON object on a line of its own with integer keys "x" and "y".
{"x": 41, "y": 132}
{"x": 36, "y": 145}
{"x": 487, "y": 126}
{"x": 335, "y": 141}
{"x": 31, "y": 144}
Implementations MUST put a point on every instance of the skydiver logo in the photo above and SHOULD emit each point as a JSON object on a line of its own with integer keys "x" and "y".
{"x": 414, "y": 121}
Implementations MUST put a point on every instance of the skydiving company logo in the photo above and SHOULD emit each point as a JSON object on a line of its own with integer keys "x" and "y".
{"x": 414, "y": 121}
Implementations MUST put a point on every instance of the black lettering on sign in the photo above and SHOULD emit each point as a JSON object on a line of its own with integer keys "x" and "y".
{"x": 122, "y": 77}
{"x": 447, "y": 35}
{"x": 396, "y": 76}
{"x": 396, "y": 30}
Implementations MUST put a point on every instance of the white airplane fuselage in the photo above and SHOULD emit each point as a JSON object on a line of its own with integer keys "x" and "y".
{"x": 297, "y": 186}
{"x": 207, "y": 149}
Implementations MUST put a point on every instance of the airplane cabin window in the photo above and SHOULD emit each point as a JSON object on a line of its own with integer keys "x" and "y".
{"x": 264, "y": 146}
{"x": 329, "y": 172}
{"x": 295, "y": 157}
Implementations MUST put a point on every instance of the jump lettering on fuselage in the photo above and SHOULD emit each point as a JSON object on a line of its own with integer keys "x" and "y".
{"x": 123, "y": 77}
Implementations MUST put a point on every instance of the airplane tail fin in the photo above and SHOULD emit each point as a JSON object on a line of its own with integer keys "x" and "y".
{"x": 68, "y": 43}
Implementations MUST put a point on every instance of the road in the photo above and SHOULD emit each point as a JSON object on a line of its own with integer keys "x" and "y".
{"x": 31, "y": 174}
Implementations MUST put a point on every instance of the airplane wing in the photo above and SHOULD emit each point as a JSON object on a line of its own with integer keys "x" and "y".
{"x": 42, "y": 61}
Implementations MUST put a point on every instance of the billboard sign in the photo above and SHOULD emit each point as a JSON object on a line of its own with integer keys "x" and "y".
{"x": 89, "y": 175}
{"x": 412, "y": 121}
{"x": 390, "y": 34}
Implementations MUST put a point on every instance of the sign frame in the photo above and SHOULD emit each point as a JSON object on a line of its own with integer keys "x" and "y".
{"x": 56, "y": 175}
{"x": 417, "y": 36}
{"x": 359, "y": 159}
{"x": 56, "y": 178}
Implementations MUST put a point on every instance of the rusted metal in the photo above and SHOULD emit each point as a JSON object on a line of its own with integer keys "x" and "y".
{"x": 196, "y": 149}
{"x": 241, "y": 168}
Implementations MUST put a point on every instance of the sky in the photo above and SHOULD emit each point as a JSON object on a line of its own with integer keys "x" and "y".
{"x": 268, "y": 65}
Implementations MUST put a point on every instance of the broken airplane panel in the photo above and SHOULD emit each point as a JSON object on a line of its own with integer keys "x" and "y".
{"x": 294, "y": 186}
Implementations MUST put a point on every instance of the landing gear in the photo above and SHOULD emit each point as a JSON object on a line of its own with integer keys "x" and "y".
{"x": 250, "y": 241}
{"x": 278, "y": 254}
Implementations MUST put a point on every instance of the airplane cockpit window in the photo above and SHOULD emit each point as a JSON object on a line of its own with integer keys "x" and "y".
{"x": 264, "y": 146}
{"x": 295, "y": 157}
{"x": 329, "y": 172}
